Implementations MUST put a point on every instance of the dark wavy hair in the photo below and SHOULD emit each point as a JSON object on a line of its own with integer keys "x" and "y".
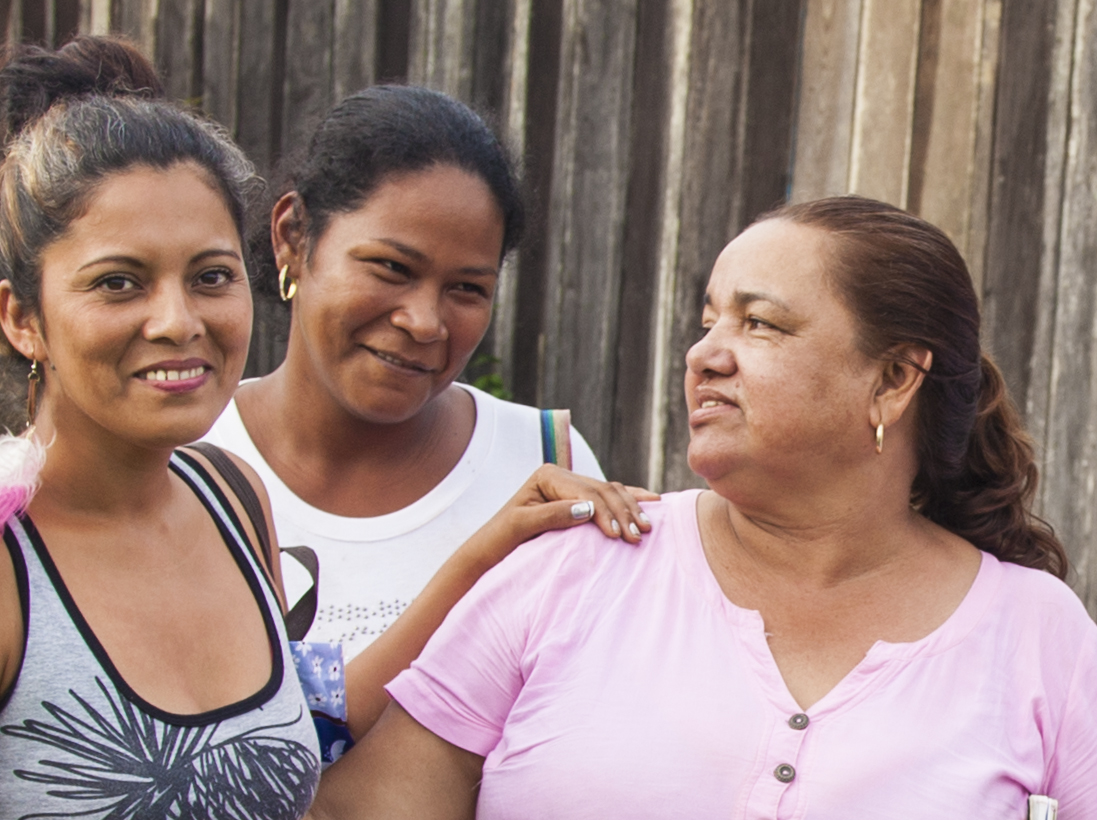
{"x": 381, "y": 132}
{"x": 906, "y": 284}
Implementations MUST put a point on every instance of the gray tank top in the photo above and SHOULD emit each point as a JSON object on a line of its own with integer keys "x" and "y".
{"x": 77, "y": 741}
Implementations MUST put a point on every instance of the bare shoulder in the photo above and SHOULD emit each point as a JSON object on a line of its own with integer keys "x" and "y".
{"x": 11, "y": 622}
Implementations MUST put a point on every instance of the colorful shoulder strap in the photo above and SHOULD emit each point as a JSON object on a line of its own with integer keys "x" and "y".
{"x": 556, "y": 437}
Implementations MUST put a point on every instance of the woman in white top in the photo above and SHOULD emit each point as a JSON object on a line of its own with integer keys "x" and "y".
{"x": 388, "y": 244}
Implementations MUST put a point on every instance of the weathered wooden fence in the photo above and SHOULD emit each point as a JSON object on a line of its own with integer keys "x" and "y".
{"x": 652, "y": 131}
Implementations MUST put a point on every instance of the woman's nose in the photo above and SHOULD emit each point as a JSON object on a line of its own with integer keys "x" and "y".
{"x": 173, "y": 316}
{"x": 420, "y": 316}
{"x": 712, "y": 353}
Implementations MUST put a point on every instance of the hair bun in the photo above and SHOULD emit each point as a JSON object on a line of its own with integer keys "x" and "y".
{"x": 34, "y": 78}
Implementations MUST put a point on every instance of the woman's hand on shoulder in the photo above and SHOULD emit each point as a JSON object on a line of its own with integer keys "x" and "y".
{"x": 555, "y": 499}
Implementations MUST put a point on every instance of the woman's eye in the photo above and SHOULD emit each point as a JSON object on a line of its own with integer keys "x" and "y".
{"x": 392, "y": 265}
{"x": 116, "y": 283}
{"x": 213, "y": 277}
{"x": 473, "y": 289}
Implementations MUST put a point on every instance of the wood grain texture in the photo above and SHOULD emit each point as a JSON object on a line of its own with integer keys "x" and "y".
{"x": 539, "y": 155}
{"x": 221, "y": 61}
{"x": 259, "y": 87}
{"x": 943, "y": 172}
{"x": 586, "y": 216}
{"x": 768, "y": 101}
{"x": 1070, "y": 464}
{"x": 512, "y": 129}
{"x": 718, "y": 53}
{"x": 1016, "y": 239}
{"x": 984, "y": 142}
{"x": 824, "y": 130}
{"x": 179, "y": 32}
{"x": 135, "y": 19}
{"x": 355, "y": 47}
{"x": 440, "y": 53}
{"x": 95, "y": 16}
{"x": 650, "y": 172}
{"x": 310, "y": 35}
{"x": 883, "y": 108}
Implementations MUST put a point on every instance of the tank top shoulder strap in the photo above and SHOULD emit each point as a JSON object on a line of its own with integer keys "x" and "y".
{"x": 224, "y": 515}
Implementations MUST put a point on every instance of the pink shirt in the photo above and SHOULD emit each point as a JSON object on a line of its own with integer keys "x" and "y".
{"x": 605, "y": 681}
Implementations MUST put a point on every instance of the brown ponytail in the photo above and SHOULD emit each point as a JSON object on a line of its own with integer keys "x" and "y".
{"x": 990, "y": 503}
{"x": 907, "y": 285}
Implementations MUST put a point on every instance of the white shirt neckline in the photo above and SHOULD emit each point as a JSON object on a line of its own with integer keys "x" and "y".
{"x": 381, "y": 527}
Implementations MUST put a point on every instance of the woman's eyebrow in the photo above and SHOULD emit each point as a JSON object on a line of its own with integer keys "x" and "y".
{"x": 123, "y": 259}
{"x": 216, "y": 252}
{"x": 747, "y": 297}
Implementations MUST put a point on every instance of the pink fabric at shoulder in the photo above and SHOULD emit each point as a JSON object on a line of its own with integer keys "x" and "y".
{"x": 602, "y": 680}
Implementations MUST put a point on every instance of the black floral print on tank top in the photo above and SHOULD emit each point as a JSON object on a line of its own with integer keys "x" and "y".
{"x": 127, "y": 766}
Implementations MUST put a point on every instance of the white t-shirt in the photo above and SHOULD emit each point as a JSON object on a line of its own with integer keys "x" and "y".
{"x": 371, "y": 568}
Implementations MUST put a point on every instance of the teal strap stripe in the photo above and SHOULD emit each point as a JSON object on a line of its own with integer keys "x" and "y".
{"x": 548, "y": 438}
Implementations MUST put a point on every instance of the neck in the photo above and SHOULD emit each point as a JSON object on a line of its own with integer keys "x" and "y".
{"x": 306, "y": 424}
{"x": 87, "y": 475}
{"x": 824, "y": 534}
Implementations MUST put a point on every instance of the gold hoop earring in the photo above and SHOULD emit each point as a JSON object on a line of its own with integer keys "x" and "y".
{"x": 34, "y": 378}
{"x": 287, "y": 292}
{"x": 880, "y": 437}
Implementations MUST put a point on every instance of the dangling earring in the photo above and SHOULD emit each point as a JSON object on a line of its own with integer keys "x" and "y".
{"x": 286, "y": 292}
{"x": 34, "y": 378}
{"x": 880, "y": 437}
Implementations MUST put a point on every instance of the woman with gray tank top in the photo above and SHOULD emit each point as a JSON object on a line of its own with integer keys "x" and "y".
{"x": 144, "y": 666}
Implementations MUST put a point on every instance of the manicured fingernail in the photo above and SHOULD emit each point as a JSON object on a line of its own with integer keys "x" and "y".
{"x": 582, "y": 510}
{"x": 613, "y": 525}
{"x": 634, "y": 530}
{"x": 645, "y": 519}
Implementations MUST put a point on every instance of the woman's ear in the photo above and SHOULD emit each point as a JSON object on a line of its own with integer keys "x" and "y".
{"x": 21, "y": 327}
{"x": 900, "y": 378}
{"x": 287, "y": 231}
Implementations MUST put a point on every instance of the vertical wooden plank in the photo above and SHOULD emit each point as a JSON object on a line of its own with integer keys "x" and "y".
{"x": 35, "y": 28}
{"x": 393, "y": 42}
{"x": 663, "y": 346}
{"x": 136, "y": 19}
{"x": 884, "y": 103}
{"x": 764, "y": 156}
{"x": 824, "y": 120}
{"x": 513, "y": 127}
{"x": 355, "y": 46}
{"x": 259, "y": 89}
{"x": 587, "y": 211}
{"x": 545, "y": 27}
{"x": 221, "y": 61}
{"x": 491, "y": 53}
{"x": 308, "y": 86}
{"x": 650, "y": 141}
{"x": 718, "y": 58}
{"x": 984, "y": 142}
{"x": 1070, "y": 491}
{"x": 179, "y": 35}
{"x": 66, "y": 21}
{"x": 440, "y": 49}
{"x": 943, "y": 172}
{"x": 95, "y": 16}
{"x": 1018, "y": 236}
{"x": 10, "y": 16}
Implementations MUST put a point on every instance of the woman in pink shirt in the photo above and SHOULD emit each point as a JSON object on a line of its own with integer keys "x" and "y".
{"x": 862, "y": 617}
